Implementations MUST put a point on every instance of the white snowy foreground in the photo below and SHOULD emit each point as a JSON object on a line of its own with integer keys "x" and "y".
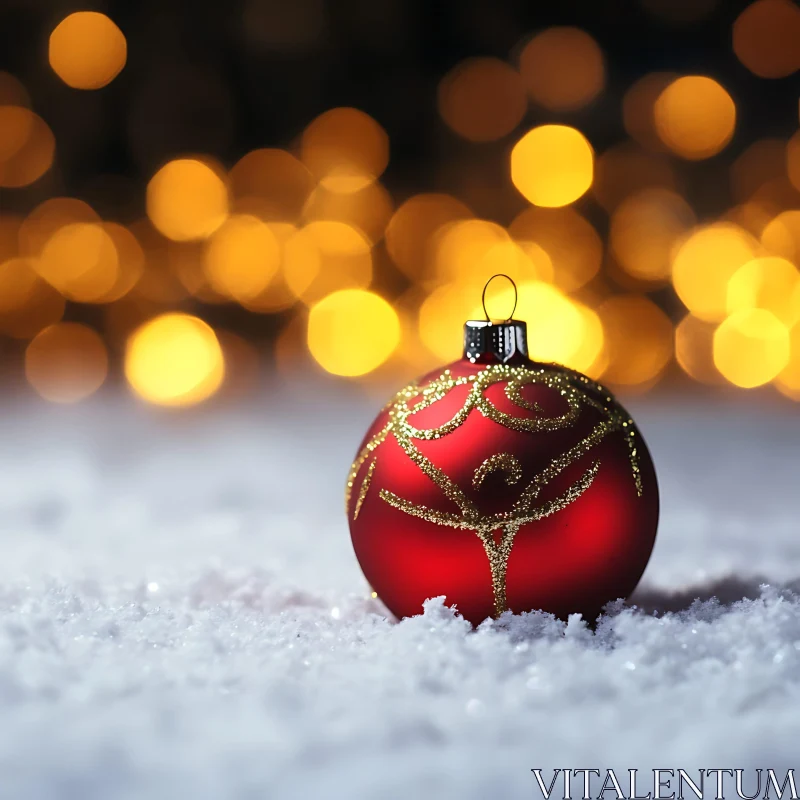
{"x": 182, "y": 616}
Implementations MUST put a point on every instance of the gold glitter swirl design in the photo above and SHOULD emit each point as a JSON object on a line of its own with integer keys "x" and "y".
{"x": 502, "y": 461}
{"x": 413, "y": 398}
{"x": 364, "y": 487}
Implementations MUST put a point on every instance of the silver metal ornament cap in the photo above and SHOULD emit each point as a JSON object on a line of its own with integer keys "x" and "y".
{"x": 488, "y": 341}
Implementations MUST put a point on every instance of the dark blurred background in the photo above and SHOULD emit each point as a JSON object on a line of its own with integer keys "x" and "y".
{"x": 196, "y": 194}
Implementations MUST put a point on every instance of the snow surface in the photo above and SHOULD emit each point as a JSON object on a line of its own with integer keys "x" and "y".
{"x": 181, "y": 615}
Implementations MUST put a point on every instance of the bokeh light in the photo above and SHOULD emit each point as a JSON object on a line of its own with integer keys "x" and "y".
{"x": 66, "y": 362}
{"x": 560, "y": 330}
{"x": 9, "y": 236}
{"x": 352, "y": 332}
{"x": 644, "y": 230}
{"x": 277, "y": 180}
{"x": 571, "y": 243}
{"x": 471, "y": 251}
{"x": 276, "y": 296}
{"x": 17, "y": 280}
{"x": 462, "y": 246}
{"x": 638, "y": 108}
{"x": 787, "y": 381}
{"x": 130, "y": 262}
{"x": 769, "y": 282}
{"x": 87, "y": 50}
{"x": 412, "y": 226}
{"x": 482, "y": 99}
{"x": 325, "y": 256}
{"x": 781, "y": 235}
{"x": 187, "y": 199}
{"x": 521, "y": 260}
{"x": 174, "y": 360}
{"x": 638, "y": 339}
{"x": 29, "y": 304}
{"x": 751, "y": 216}
{"x": 16, "y": 125}
{"x": 368, "y": 210}
{"x": 563, "y": 68}
{"x": 12, "y": 91}
{"x": 357, "y": 270}
{"x": 163, "y": 281}
{"x": 27, "y": 146}
{"x": 704, "y": 264}
{"x": 776, "y": 194}
{"x": 345, "y": 149}
{"x": 552, "y": 165}
{"x": 441, "y": 320}
{"x": 694, "y": 349}
{"x": 751, "y": 347}
{"x": 47, "y": 218}
{"x": 81, "y": 261}
{"x": 241, "y": 257}
{"x": 695, "y": 117}
{"x": 765, "y": 37}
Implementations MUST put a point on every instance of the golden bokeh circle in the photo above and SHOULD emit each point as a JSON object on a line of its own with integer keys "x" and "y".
{"x": 279, "y": 181}
{"x": 695, "y": 117}
{"x": 705, "y": 262}
{"x": 644, "y": 230}
{"x": 345, "y": 149}
{"x": 638, "y": 339}
{"x": 187, "y": 199}
{"x": 765, "y": 38}
{"x": 751, "y": 347}
{"x": 81, "y": 261}
{"x": 563, "y": 68}
{"x": 482, "y": 99}
{"x": 768, "y": 282}
{"x": 66, "y": 362}
{"x": 552, "y": 165}
{"x": 241, "y": 257}
{"x": 325, "y": 256}
{"x": 569, "y": 240}
{"x": 87, "y": 50}
{"x": 352, "y": 332}
{"x": 411, "y": 229}
{"x": 27, "y": 147}
{"x": 174, "y": 360}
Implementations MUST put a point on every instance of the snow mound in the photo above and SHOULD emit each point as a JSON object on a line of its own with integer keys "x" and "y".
{"x": 181, "y": 615}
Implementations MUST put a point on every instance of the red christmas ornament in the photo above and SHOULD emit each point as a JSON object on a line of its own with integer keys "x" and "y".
{"x": 502, "y": 483}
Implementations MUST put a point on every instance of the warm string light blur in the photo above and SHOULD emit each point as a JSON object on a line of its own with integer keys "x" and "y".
{"x": 27, "y": 146}
{"x": 552, "y": 165}
{"x": 345, "y": 149}
{"x": 187, "y": 199}
{"x": 371, "y": 278}
{"x": 174, "y": 360}
{"x": 695, "y": 117}
{"x": 765, "y": 37}
{"x": 87, "y": 50}
{"x": 645, "y": 228}
{"x": 351, "y": 332}
{"x": 482, "y": 99}
{"x": 66, "y": 362}
{"x": 563, "y": 68}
